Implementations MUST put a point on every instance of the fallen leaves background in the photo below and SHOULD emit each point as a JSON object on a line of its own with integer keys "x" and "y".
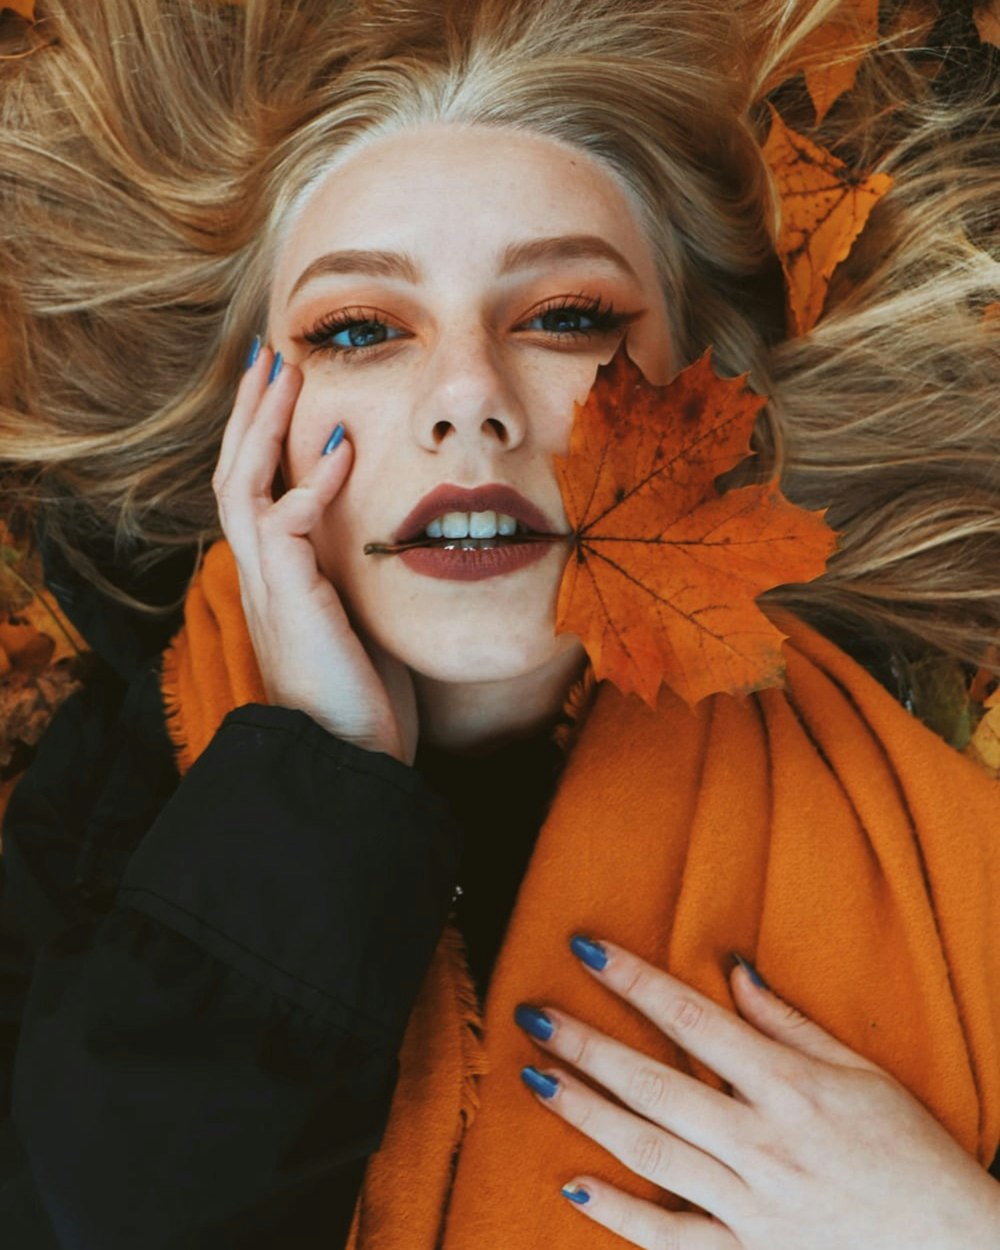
{"x": 42, "y": 657}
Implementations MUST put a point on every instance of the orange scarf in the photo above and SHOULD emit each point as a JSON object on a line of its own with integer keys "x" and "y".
{"x": 820, "y": 830}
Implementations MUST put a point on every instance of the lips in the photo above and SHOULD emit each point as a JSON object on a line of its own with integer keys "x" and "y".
{"x": 488, "y": 498}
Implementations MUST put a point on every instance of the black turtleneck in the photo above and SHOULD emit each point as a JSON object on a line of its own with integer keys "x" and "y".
{"x": 499, "y": 800}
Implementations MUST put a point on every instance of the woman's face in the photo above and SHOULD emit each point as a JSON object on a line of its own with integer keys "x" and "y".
{"x": 448, "y": 294}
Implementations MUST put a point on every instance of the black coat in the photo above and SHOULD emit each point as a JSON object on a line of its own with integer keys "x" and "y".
{"x": 205, "y": 982}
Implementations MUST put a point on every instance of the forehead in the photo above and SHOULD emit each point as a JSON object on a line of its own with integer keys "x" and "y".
{"x": 445, "y": 191}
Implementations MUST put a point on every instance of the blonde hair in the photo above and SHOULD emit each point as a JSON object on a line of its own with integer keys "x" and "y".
{"x": 150, "y": 151}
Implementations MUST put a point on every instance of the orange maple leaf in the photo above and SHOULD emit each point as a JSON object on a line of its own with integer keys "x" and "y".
{"x": 823, "y": 210}
{"x": 662, "y": 582}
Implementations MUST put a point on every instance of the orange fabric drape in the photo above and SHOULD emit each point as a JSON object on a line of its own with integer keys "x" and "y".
{"x": 820, "y": 830}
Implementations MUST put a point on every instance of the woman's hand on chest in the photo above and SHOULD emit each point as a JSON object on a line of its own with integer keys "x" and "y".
{"x": 817, "y": 1148}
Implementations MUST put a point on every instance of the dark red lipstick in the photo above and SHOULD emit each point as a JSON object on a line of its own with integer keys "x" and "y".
{"x": 471, "y": 559}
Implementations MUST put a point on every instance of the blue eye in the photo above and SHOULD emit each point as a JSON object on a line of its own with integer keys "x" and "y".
{"x": 563, "y": 321}
{"x": 350, "y": 331}
{"x": 363, "y": 334}
{"x": 576, "y": 315}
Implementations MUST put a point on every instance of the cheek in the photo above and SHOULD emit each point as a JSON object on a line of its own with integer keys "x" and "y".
{"x": 551, "y": 389}
{"x": 312, "y": 424}
{"x": 322, "y": 404}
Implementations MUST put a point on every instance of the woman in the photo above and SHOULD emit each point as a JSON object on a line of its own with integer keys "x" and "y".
{"x": 443, "y": 252}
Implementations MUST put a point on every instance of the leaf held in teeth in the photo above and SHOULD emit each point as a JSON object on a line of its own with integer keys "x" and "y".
{"x": 662, "y": 583}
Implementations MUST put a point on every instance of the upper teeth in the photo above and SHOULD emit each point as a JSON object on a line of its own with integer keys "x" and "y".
{"x": 471, "y": 525}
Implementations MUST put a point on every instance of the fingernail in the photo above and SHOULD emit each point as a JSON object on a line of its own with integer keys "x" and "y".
{"x": 335, "y": 439}
{"x": 539, "y": 1082}
{"x": 575, "y": 1193}
{"x": 275, "y": 369}
{"x": 750, "y": 970}
{"x": 593, "y": 954}
{"x": 533, "y": 1021}
{"x": 253, "y": 353}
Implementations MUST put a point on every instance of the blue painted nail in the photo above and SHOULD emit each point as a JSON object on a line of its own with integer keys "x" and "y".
{"x": 533, "y": 1021}
{"x": 750, "y": 970}
{"x": 275, "y": 369}
{"x": 254, "y": 352}
{"x": 593, "y": 954}
{"x": 575, "y": 1193}
{"x": 335, "y": 439}
{"x": 539, "y": 1082}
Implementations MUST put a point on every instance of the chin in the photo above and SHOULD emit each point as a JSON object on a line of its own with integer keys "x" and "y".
{"x": 464, "y": 657}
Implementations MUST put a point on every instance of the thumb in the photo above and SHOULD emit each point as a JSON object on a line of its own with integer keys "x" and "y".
{"x": 760, "y": 1006}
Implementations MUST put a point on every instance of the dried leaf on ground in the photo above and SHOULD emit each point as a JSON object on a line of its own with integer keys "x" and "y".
{"x": 984, "y": 745}
{"x": 662, "y": 581}
{"x": 23, "y": 8}
{"x": 913, "y": 22}
{"x": 983, "y": 696}
{"x": 42, "y": 658}
{"x": 987, "y": 19}
{"x": 985, "y": 677}
{"x": 824, "y": 208}
{"x": 834, "y": 51}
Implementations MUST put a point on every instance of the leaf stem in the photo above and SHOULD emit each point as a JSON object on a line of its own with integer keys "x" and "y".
{"x": 394, "y": 549}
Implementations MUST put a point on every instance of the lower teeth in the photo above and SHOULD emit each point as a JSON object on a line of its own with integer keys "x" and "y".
{"x": 472, "y": 544}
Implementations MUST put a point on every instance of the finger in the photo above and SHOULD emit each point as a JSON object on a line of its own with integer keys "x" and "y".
{"x": 772, "y": 1016}
{"x": 649, "y": 1151}
{"x": 248, "y": 393}
{"x": 731, "y": 1047}
{"x": 246, "y": 493}
{"x": 644, "y": 1223}
{"x": 686, "y": 1107}
{"x": 286, "y": 528}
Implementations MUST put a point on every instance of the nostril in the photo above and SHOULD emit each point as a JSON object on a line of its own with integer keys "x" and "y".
{"x": 498, "y": 428}
{"x": 440, "y": 431}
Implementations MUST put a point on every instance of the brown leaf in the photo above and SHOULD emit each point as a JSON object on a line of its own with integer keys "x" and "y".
{"x": 913, "y": 22}
{"x": 823, "y": 210}
{"x": 41, "y": 654}
{"x": 984, "y": 745}
{"x": 830, "y": 56}
{"x": 834, "y": 52}
{"x": 23, "y": 8}
{"x": 987, "y": 19}
{"x": 985, "y": 677}
{"x": 662, "y": 582}
{"x": 29, "y": 698}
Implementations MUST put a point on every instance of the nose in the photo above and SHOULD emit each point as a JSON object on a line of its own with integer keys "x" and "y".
{"x": 468, "y": 397}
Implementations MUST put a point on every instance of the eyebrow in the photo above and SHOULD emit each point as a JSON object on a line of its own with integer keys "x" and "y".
{"x": 516, "y": 256}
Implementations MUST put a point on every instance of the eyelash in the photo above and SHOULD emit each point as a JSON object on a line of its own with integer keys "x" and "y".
{"x": 606, "y": 321}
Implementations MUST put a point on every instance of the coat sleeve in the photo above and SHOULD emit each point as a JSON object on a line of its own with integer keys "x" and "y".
{"x": 202, "y": 1019}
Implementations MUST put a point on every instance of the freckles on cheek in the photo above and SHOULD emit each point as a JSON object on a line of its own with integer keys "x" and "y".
{"x": 311, "y": 426}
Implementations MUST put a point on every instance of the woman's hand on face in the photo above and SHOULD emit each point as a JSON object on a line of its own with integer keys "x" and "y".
{"x": 818, "y": 1149}
{"x": 308, "y": 653}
